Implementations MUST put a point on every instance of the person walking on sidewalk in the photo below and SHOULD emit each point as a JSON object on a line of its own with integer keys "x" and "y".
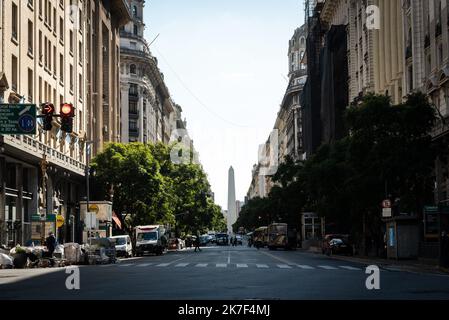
{"x": 197, "y": 242}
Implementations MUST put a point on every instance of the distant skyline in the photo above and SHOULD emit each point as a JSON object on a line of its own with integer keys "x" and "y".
{"x": 225, "y": 63}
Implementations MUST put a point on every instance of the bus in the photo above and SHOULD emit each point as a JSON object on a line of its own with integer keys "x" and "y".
{"x": 260, "y": 237}
{"x": 281, "y": 236}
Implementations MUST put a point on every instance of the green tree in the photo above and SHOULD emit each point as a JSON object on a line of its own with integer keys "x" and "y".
{"x": 141, "y": 192}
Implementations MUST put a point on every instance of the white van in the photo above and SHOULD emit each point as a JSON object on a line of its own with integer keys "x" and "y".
{"x": 123, "y": 246}
{"x": 151, "y": 239}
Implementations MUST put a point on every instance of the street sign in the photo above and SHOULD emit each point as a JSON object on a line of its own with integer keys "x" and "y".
{"x": 59, "y": 221}
{"x": 91, "y": 220}
{"x": 17, "y": 118}
{"x": 386, "y": 212}
{"x": 386, "y": 204}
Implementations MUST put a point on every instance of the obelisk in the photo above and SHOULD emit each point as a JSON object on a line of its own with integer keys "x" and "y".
{"x": 232, "y": 210}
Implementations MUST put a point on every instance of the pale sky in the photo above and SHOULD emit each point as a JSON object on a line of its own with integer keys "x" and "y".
{"x": 225, "y": 63}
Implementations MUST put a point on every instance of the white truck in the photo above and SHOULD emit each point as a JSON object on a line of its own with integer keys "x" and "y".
{"x": 151, "y": 239}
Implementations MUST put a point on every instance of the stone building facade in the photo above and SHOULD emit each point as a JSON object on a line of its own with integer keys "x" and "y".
{"x": 56, "y": 51}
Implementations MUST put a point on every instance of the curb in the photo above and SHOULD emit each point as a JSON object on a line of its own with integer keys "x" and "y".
{"x": 395, "y": 267}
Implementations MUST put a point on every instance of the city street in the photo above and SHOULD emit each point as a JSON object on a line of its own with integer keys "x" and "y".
{"x": 223, "y": 273}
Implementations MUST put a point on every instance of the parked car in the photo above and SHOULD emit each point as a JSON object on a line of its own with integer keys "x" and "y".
{"x": 222, "y": 239}
{"x": 123, "y": 246}
{"x": 176, "y": 244}
{"x": 239, "y": 239}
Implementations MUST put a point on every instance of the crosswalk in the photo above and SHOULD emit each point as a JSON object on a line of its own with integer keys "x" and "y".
{"x": 283, "y": 266}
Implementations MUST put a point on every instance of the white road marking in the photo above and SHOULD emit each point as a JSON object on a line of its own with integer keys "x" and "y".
{"x": 302, "y": 266}
{"x": 261, "y": 266}
{"x": 284, "y": 266}
{"x": 229, "y": 257}
{"x": 350, "y": 268}
{"x": 163, "y": 265}
{"x": 327, "y": 267}
{"x": 221, "y": 265}
{"x": 242, "y": 265}
{"x": 277, "y": 258}
{"x": 201, "y": 265}
{"x": 182, "y": 265}
{"x": 144, "y": 264}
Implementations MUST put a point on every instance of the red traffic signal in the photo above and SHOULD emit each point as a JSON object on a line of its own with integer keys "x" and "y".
{"x": 67, "y": 113}
{"x": 47, "y": 108}
{"x": 67, "y": 110}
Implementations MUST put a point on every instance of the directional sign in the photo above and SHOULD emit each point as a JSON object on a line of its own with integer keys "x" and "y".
{"x": 18, "y": 118}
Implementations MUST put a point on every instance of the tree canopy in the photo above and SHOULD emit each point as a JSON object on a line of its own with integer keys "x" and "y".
{"x": 149, "y": 188}
{"x": 389, "y": 153}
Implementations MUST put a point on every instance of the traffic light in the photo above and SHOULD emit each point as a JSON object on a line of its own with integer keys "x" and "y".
{"x": 48, "y": 109}
{"x": 67, "y": 113}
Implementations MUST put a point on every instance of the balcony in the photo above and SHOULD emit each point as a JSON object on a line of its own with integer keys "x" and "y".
{"x": 137, "y": 53}
{"x": 133, "y": 132}
{"x": 133, "y": 114}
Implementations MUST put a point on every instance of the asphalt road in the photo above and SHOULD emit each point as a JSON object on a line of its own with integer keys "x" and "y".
{"x": 223, "y": 273}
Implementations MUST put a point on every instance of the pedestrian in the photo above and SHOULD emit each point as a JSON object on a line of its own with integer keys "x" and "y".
{"x": 50, "y": 242}
{"x": 197, "y": 242}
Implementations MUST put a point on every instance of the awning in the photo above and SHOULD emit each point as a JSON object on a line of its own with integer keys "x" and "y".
{"x": 116, "y": 220}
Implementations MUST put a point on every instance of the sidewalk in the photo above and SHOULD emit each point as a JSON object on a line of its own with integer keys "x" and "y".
{"x": 419, "y": 266}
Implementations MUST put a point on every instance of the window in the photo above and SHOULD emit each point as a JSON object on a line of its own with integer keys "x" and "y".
{"x": 133, "y": 45}
{"x": 80, "y": 52}
{"x": 45, "y": 52}
{"x": 30, "y": 37}
{"x": 133, "y": 125}
{"x": 80, "y": 21}
{"x": 40, "y": 90}
{"x": 133, "y": 89}
{"x": 54, "y": 61}
{"x": 61, "y": 29}
{"x": 134, "y": 11}
{"x": 14, "y": 21}
{"x": 40, "y": 46}
{"x": 55, "y": 28}
{"x": 132, "y": 107}
{"x": 45, "y": 12}
{"x": 71, "y": 78}
{"x": 71, "y": 41}
{"x": 80, "y": 118}
{"x": 40, "y": 8}
{"x": 410, "y": 78}
{"x": 61, "y": 68}
{"x": 80, "y": 86}
{"x": 49, "y": 55}
{"x": 136, "y": 30}
{"x": 30, "y": 85}
{"x": 132, "y": 69}
{"x": 49, "y": 13}
{"x": 14, "y": 73}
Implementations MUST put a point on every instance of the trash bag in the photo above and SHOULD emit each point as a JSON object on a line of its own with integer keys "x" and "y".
{"x": 72, "y": 253}
{"x": 59, "y": 252}
{"x": 5, "y": 261}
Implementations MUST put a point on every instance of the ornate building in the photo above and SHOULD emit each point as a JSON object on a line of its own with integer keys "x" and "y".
{"x": 56, "y": 51}
{"x": 147, "y": 111}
